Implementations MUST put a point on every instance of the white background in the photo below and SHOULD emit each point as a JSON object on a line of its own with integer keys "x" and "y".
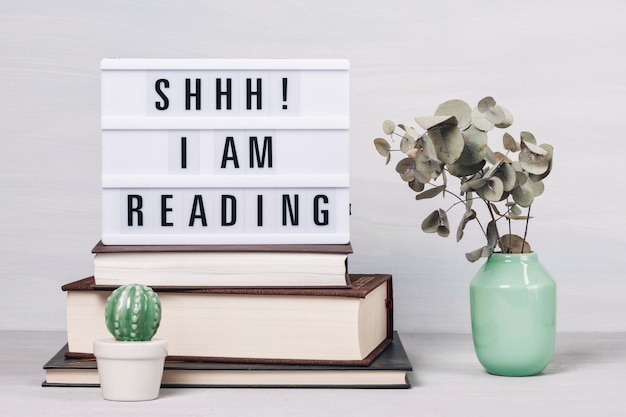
{"x": 558, "y": 66}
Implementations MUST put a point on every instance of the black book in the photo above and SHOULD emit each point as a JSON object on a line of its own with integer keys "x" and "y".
{"x": 389, "y": 370}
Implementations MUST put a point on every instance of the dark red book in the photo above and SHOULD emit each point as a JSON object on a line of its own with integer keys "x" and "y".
{"x": 349, "y": 326}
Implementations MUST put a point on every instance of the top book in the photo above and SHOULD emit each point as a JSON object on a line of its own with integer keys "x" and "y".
{"x": 299, "y": 266}
{"x": 237, "y": 151}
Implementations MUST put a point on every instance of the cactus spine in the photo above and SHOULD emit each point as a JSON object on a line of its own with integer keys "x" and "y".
{"x": 133, "y": 313}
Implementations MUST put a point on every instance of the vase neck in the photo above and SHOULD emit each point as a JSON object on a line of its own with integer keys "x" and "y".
{"x": 513, "y": 257}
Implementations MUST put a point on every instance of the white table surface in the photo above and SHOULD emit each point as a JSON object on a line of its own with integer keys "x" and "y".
{"x": 587, "y": 377}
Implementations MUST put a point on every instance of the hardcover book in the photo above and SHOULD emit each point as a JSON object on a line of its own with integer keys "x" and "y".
{"x": 389, "y": 370}
{"x": 317, "y": 325}
{"x": 222, "y": 265}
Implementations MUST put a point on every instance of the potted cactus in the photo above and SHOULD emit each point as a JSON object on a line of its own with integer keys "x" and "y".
{"x": 512, "y": 297}
{"x": 130, "y": 365}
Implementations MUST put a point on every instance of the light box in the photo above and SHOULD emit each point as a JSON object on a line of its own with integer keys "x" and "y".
{"x": 225, "y": 151}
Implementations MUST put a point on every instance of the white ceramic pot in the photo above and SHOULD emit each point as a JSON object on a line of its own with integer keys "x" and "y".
{"x": 130, "y": 371}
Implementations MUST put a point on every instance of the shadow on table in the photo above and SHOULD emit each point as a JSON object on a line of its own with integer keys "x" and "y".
{"x": 575, "y": 351}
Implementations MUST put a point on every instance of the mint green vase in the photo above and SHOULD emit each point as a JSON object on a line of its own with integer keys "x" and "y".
{"x": 513, "y": 309}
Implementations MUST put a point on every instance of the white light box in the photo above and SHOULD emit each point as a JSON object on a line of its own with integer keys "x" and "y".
{"x": 225, "y": 151}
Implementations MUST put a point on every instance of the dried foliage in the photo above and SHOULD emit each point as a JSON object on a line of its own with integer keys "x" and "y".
{"x": 455, "y": 142}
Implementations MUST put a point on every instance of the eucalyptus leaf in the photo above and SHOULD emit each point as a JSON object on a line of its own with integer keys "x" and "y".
{"x": 520, "y": 178}
{"x": 514, "y": 216}
{"x": 492, "y": 170}
{"x": 490, "y": 156}
{"x": 457, "y": 108}
{"x": 459, "y": 170}
{"x": 427, "y": 147}
{"x": 408, "y": 176}
{"x": 549, "y": 153}
{"x": 406, "y": 168}
{"x": 485, "y": 104}
{"x": 508, "y": 119}
{"x": 448, "y": 142}
{"x": 431, "y": 192}
{"x": 507, "y": 174}
{"x": 495, "y": 115}
{"x": 425, "y": 168}
{"x": 475, "y": 255}
{"x": 437, "y": 222}
{"x": 480, "y": 121}
{"x": 475, "y": 147}
{"x": 538, "y": 187}
{"x": 533, "y": 158}
{"x": 411, "y": 133}
{"x": 528, "y": 137}
{"x": 540, "y": 177}
{"x": 467, "y": 217}
{"x": 405, "y": 165}
{"x": 510, "y": 144}
{"x": 537, "y": 150}
{"x": 388, "y": 127}
{"x": 432, "y": 122}
{"x": 382, "y": 146}
{"x": 549, "y": 150}
{"x": 512, "y": 243}
{"x": 502, "y": 157}
{"x": 416, "y": 186}
{"x": 523, "y": 195}
{"x": 406, "y": 143}
{"x": 444, "y": 226}
{"x": 488, "y": 114}
{"x": 474, "y": 184}
{"x": 492, "y": 234}
{"x": 493, "y": 190}
{"x": 515, "y": 209}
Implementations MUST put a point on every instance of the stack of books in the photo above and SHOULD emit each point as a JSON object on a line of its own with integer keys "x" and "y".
{"x": 251, "y": 266}
{"x": 245, "y": 336}
{"x": 242, "y": 335}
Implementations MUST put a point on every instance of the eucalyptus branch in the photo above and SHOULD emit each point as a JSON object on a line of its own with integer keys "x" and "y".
{"x": 526, "y": 228}
{"x": 482, "y": 228}
{"x": 455, "y": 142}
{"x": 495, "y": 221}
{"x": 508, "y": 216}
{"x": 461, "y": 201}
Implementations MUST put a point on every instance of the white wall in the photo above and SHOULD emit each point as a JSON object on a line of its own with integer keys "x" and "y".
{"x": 559, "y": 66}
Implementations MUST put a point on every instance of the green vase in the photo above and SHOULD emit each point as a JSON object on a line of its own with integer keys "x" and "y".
{"x": 513, "y": 309}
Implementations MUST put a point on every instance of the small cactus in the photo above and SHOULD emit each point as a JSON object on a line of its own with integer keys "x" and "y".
{"x": 133, "y": 313}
